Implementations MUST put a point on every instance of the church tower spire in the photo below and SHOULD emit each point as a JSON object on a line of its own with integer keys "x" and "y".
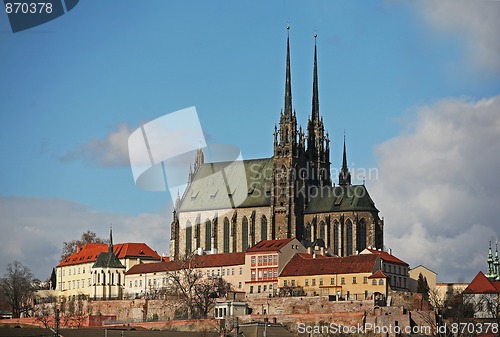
{"x": 491, "y": 271}
{"x": 315, "y": 98}
{"x": 288, "y": 80}
{"x": 345, "y": 175}
{"x": 110, "y": 243}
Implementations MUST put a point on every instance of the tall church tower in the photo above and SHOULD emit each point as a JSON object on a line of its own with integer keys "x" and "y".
{"x": 318, "y": 146}
{"x": 286, "y": 203}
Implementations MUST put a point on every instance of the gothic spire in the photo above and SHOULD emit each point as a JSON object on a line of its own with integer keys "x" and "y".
{"x": 315, "y": 98}
{"x": 491, "y": 272}
{"x": 110, "y": 243}
{"x": 288, "y": 81}
{"x": 497, "y": 264}
{"x": 345, "y": 175}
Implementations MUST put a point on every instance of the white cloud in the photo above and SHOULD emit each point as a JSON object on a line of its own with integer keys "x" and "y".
{"x": 439, "y": 187}
{"x": 477, "y": 21}
{"x": 110, "y": 151}
{"x": 34, "y": 229}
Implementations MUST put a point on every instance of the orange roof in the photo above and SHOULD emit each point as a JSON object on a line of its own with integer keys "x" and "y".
{"x": 269, "y": 245}
{"x": 388, "y": 257}
{"x": 90, "y": 251}
{"x": 199, "y": 261}
{"x": 378, "y": 274}
{"x": 481, "y": 285}
{"x": 303, "y": 265}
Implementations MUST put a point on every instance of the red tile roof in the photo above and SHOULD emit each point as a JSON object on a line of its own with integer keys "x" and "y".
{"x": 481, "y": 285}
{"x": 90, "y": 251}
{"x": 269, "y": 245}
{"x": 388, "y": 257}
{"x": 304, "y": 264}
{"x": 378, "y": 274}
{"x": 199, "y": 261}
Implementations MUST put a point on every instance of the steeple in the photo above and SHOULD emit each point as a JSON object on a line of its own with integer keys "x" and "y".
{"x": 315, "y": 97}
{"x": 288, "y": 81}
{"x": 110, "y": 243}
{"x": 497, "y": 264}
{"x": 491, "y": 271}
{"x": 345, "y": 175}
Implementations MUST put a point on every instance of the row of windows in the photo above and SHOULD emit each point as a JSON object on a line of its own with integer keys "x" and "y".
{"x": 265, "y": 260}
{"x": 226, "y": 233}
{"x": 75, "y": 269}
{"x": 332, "y": 281}
{"x": 75, "y": 284}
{"x": 264, "y": 274}
{"x": 395, "y": 269}
{"x": 264, "y": 288}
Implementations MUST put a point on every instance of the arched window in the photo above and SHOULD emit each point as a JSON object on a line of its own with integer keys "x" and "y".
{"x": 322, "y": 231}
{"x": 361, "y": 235}
{"x": 348, "y": 229}
{"x": 263, "y": 228}
{"x": 226, "y": 235}
{"x": 189, "y": 238}
{"x": 244, "y": 234}
{"x": 328, "y": 235}
{"x": 208, "y": 234}
{"x": 308, "y": 232}
{"x": 336, "y": 237}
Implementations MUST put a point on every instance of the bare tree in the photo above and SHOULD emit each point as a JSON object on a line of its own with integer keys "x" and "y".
{"x": 16, "y": 288}
{"x": 71, "y": 246}
{"x": 207, "y": 290}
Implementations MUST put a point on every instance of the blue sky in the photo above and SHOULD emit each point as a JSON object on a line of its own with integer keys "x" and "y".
{"x": 74, "y": 88}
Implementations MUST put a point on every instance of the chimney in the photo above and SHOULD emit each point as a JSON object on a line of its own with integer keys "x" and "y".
{"x": 314, "y": 255}
{"x": 322, "y": 250}
{"x": 390, "y": 251}
{"x": 309, "y": 250}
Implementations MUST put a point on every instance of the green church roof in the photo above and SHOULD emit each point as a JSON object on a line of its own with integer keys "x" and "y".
{"x": 225, "y": 185}
{"x": 340, "y": 199}
{"x": 107, "y": 260}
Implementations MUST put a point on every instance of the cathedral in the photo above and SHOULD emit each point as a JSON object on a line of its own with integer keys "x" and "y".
{"x": 287, "y": 195}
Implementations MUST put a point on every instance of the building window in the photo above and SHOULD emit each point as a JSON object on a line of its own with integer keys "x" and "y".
{"x": 320, "y": 281}
{"x": 293, "y": 283}
{"x": 258, "y": 289}
{"x": 239, "y": 285}
{"x": 365, "y": 280}
{"x": 140, "y": 283}
{"x": 260, "y": 260}
{"x": 241, "y": 270}
{"x": 265, "y": 288}
{"x": 374, "y": 282}
{"x": 342, "y": 280}
{"x": 83, "y": 270}
{"x": 232, "y": 271}
{"x": 275, "y": 273}
{"x": 226, "y": 235}
{"x": 263, "y": 228}
{"x": 130, "y": 284}
{"x": 265, "y": 273}
{"x": 313, "y": 282}
{"x": 253, "y": 261}
{"x": 244, "y": 234}
{"x": 223, "y": 272}
{"x": 69, "y": 271}
{"x": 79, "y": 270}
{"x": 265, "y": 260}
{"x": 189, "y": 238}
{"x": 285, "y": 283}
{"x": 306, "y": 282}
{"x": 253, "y": 274}
{"x": 354, "y": 280}
{"x": 275, "y": 259}
{"x": 381, "y": 281}
{"x": 332, "y": 280}
{"x": 251, "y": 289}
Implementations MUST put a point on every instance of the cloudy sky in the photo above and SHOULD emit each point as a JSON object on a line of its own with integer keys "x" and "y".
{"x": 415, "y": 85}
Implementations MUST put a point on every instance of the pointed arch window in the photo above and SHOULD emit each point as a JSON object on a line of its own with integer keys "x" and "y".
{"x": 189, "y": 238}
{"x": 263, "y": 228}
{"x": 244, "y": 234}
{"x": 226, "y": 235}
{"x": 336, "y": 237}
{"x": 348, "y": 234}
{"x": 361, "y": 235}
{"x": 322, "y": 231}
{"x": 208, "y": 234}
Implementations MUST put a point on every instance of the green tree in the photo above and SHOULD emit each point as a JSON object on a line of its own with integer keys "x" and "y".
{"x": 423, "y": 286}
{"x": 16, "y": 288}
{"x": 71, "y": 246}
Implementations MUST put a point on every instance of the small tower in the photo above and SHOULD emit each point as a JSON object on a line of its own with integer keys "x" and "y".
{"x": 491, "y": 268}
{"x": 344, "y": 175}
{"x": 497, "y": 264}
